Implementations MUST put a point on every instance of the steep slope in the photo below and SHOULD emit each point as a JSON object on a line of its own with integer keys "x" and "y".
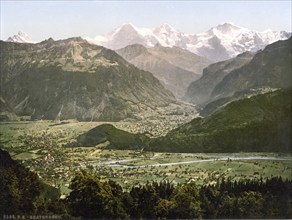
{"x": 174, "y": 67}
{"x": 21, "y": 189}
{"x": 74, "y": 79}
{"x": 268, "y": 68}
{"x": 219, "y": 43}
{"x": 249, "y": 75}
{"x": 221, "y": 102}
{"x": 259, "y": 123}
{"x": 199, "y": 91}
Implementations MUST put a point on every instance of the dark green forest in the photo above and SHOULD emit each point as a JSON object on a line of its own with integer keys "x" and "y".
{"x": 261, "y": 123}
{"x": 22, "y": 192}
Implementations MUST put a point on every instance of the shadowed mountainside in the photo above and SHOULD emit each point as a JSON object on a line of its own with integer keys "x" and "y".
{"x": 71, "y": 78}
{"x": 199, "y": 91}
{"x": 259, "y": 123}
{"x": 244, "y": 75}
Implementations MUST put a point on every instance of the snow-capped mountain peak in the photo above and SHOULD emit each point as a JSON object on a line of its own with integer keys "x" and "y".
{"x": 227, "y": 30}
{"x": 168, "y": 36}
{"x": 125, "y": 35}
{"x": 229, "y": 26}
{"x": 21, "y": 37}
{"x": 24, "y": 35}
{"x": 163, "y": 29}
{"x": 228, "y": 40}
{"x": 127, "y": 28}
{"x": 219, "y": 43}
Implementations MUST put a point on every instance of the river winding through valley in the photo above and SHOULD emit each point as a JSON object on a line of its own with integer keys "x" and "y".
{"x": 119, "y": 163}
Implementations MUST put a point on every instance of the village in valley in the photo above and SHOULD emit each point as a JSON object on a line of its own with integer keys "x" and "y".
{"x": 42, "y": 146}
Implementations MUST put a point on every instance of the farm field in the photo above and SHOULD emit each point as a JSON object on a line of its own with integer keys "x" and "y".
{"x": 41, "y": 146}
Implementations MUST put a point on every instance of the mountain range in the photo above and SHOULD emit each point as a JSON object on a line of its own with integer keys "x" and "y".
{"x": 71, "y": 78}
{"x": 219, "y": 43}
{"x": 243, "y": 75}
{"x": 245, "y": 100}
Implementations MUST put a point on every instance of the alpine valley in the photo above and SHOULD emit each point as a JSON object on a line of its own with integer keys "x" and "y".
{"x": 173, "y": 66}
{"x": 147, "y": 123}
{"x": 72, "y": 79}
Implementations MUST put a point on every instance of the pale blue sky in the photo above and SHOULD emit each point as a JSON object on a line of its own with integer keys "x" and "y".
{"x": 63, "y": 19}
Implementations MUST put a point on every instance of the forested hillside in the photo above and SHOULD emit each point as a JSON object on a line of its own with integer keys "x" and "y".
{"x": 256, "y": 124}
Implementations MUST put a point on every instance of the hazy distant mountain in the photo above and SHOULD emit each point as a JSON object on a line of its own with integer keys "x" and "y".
{"x": 199, "y": 91}
{"x": 259, "y": 123}
{"x": 176, "y": 68}
{"x": 244, "y": 75}
{"x": 219, "y": 43}
{"x": 74, "y": 79}
{"x": 21, "y": 37}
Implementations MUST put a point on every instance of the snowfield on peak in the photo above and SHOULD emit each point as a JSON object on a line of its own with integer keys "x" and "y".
{"x": 20, "y": 37}
{"x": 219, "y": 43}
{"x": 128, "y": 34}
{"x": 125, "y": 35}
{"x": 228, "y": 40}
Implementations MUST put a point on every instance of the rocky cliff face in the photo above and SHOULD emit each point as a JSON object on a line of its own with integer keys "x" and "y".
{"x": 74, "y": 79}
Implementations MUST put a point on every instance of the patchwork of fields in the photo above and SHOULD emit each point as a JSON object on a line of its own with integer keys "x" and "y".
{"x": 41, "y": 147}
